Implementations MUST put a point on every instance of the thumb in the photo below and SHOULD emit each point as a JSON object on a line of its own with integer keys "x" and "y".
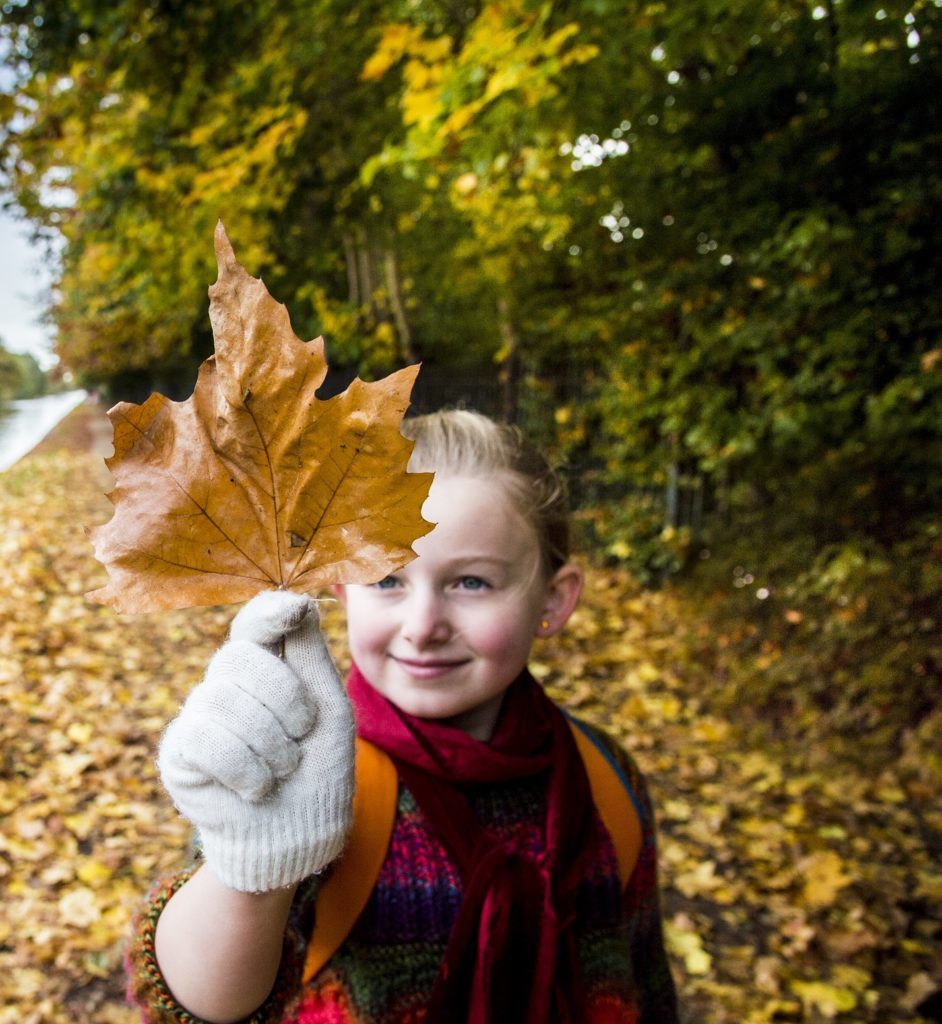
{"x": 307, "y": 655}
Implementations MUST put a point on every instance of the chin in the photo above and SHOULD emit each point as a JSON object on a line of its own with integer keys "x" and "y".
{"x": 432, "y": 709}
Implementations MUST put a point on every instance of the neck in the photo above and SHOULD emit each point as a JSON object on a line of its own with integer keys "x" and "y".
{"x": 478, "y": 722}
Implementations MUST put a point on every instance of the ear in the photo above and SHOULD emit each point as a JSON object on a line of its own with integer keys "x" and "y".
{"x": 340, "y": 592}
{"x": 562, "y": 595}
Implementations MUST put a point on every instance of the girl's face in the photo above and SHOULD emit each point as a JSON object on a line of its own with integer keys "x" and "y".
{"x": 446, "y": 635}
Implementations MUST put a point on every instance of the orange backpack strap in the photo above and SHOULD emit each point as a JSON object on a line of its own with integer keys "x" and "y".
{"x": 613, "y": 796}
{"x": 346, "y": 890}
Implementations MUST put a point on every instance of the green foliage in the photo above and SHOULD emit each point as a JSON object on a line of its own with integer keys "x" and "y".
{"x": 720, "y": 218}
{"x": 20, "y": 376}
{"x": 632, "y": 532}
{"x": 9, "y": 375}
{"x": 783, "y": 327}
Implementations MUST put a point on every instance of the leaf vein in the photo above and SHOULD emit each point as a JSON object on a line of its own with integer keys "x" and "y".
{"x": 203, "y": 511}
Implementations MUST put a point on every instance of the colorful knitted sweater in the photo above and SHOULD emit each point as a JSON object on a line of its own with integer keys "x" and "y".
{"x": 384, "y": 971}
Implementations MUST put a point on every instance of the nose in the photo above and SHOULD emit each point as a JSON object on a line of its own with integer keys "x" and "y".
{"x": 425, "y": 619}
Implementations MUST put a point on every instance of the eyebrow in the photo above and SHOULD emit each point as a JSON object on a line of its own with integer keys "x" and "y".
{"x": 463, "y": 560}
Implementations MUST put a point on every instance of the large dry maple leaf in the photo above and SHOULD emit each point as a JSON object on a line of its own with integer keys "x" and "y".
{"x": 253, "y": 483}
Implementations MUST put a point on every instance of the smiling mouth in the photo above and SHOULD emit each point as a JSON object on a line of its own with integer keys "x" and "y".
{"x": 428, "y": 668}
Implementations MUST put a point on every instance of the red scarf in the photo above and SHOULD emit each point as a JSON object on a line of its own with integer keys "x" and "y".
{"x": 511, "y": 954}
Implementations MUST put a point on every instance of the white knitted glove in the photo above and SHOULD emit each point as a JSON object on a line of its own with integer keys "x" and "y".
{"x": 260, "y": 758}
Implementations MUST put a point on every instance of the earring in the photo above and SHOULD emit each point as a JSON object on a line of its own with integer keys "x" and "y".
{"x": 544, "y": 624}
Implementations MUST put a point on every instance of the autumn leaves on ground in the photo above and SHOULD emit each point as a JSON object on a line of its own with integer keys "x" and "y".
{"x": 797, "y": 888}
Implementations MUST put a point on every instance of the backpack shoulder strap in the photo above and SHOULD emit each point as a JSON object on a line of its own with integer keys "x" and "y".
{"x": 615, "y": 799}
{"x": 346, "y": 890}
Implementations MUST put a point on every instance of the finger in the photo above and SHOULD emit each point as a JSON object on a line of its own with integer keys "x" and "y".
{"x": 268, "y": 680}
{"x": 246, "y": 718}
{"x": 197, "y": 751}
{"x": 269, "y": 616}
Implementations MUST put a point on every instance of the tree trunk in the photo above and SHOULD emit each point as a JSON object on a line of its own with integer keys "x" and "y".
{"x": 353, "y": 276}
{"x": 509, "y": 375}
{"x": 391, "y": 268}
{"x": 363, "y": 268}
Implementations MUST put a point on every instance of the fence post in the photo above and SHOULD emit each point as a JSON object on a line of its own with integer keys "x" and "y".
{"x": 671, "y": 496}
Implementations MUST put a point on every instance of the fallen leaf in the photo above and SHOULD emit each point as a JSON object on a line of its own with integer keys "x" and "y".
{"x": 67, "y": 822}
{"x": 766, "y": 975}
{"x": 824, "y": 878}
{"x": 78, "y": 907}
{"x": 828, "y": 1000}
{"x": 93, "y": 872}
{"x": 701, "y": 879}
{"x": 855, "y": 978}
{"x": 80, "y": 732}
{"x": 685, "y": 944}
{"x": 254, "y": 483}
{"x": 919, "y": 987}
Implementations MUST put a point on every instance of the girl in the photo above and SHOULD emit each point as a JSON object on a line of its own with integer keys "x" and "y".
{"x": 498, "y": 898}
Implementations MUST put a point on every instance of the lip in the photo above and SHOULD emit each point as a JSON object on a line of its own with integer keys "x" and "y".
{"x": 429, "y": 668}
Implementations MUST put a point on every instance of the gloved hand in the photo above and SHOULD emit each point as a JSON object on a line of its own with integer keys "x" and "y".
{"x": 260, "y": 758}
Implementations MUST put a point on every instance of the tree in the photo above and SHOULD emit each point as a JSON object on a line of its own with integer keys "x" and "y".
{"x": 767, "y": 181}
{"x": 121, "y": 145}
{"x": 713, "y": 225}
{"x": 483, "y": 126}
{"x": 20, "y": 375}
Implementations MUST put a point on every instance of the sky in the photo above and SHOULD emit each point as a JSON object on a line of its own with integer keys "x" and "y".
{"x": 23, "y": 279}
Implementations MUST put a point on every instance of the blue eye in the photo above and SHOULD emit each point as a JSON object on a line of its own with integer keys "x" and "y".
{"x": 387, "y": 583}
{"x": 472, "y": 583}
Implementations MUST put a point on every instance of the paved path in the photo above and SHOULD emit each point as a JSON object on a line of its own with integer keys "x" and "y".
{"x": 25, "y": 422}
{"x": 86, "y": 429}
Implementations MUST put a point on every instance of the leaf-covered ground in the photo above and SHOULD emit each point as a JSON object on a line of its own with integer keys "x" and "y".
{"x": 798, "y": 886}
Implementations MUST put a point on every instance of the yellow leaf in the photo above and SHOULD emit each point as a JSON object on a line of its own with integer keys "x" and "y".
{"x": 702, "y": 879}
{"x": 80, "y": 825}
{"x": 848, "y": 976}
{"x": 683, "y": 942}
{"x": 394, "y": 43}
{"x": 824, "y": 878}
{"x": 421, "y": 107}
{"x": 80, "y": 732}
{"x": 93, "y": 872}
{"x": 539, "y": 670}
{"x": 676, "y": 810}
{"x": 668, "y": 706}
{"x": 645, "y": 673}
{"x": 828, "y": 1000}
{"x": 634, "y": 709}
{"x": 619, "y": 549}
{"x": 711, "y": 730}
{"x": 929, "y": 885}
{"x": 78, "y": 907}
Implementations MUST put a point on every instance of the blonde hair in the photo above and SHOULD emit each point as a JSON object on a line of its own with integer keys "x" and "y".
{"x": 465, "y": 443}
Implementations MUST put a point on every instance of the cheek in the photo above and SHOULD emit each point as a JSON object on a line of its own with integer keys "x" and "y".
{"x": 502, "y": 636}
{"x": 366, "y": 627}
